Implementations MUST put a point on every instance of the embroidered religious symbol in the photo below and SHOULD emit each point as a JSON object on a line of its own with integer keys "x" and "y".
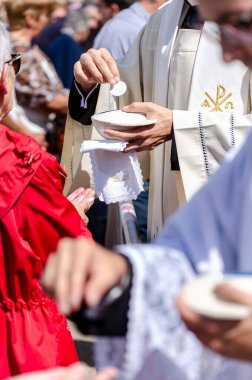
{"x": 221, "y": 100}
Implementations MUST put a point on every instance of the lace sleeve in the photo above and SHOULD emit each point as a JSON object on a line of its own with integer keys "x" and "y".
{"x": 158, "y": 346}
{"x": 154, "y": 327}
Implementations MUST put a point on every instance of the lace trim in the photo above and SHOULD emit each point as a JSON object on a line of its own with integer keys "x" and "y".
{"x": 132, "y": 364}
{"x": 124, "y": 197}
{"x": 139, "y": 175}
{"x": 232, "y": 130}
{"x": 203, "y": 144}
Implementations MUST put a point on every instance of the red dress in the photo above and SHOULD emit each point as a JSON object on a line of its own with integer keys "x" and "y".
{"x": 34, "y": 215}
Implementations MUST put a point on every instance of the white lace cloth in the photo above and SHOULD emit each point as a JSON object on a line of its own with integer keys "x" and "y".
{"x": 158, "y": 346}
{"x": 117, "y": 176}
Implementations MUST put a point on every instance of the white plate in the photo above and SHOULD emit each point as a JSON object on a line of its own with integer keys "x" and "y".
{"x": 119, "y": 120}
{"x": 199, "y": 296}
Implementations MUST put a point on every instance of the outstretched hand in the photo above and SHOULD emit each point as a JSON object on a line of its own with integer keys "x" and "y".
{"x": 82, "y": 271}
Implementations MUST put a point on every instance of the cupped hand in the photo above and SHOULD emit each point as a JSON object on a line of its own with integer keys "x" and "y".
{"x": 82, "y": 199}
{"x": 96, "y": 66}
{"x": 145, "y": 137}
{"x": 232, "y": 339}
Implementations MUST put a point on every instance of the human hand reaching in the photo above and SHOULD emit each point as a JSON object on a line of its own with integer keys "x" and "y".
{"x": 82, "y": 271}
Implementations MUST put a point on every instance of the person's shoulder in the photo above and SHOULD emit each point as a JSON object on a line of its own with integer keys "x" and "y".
{"x": 20, "y": 140}
{"x": 107, "y": 35}
{"x": 122, "y": 15}
{"x": 21, "y": 158}
{"x": 20, "y": 150}
{"x": 155, "y": 20}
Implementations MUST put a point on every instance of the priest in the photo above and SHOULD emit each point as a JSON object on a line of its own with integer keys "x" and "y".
{"x": 175, "y": 74}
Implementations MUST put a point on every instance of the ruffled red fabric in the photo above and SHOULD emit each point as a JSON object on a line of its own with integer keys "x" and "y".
{"x": 34, "y": 215}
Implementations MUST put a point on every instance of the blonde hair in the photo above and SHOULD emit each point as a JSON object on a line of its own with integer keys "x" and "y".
{"x": 17, "y": 10}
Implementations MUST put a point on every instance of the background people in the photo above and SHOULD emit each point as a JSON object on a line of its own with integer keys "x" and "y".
{"x": 38, "y": 88}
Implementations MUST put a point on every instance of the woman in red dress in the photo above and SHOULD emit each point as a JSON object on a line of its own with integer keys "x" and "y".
{"x": 34, "y": 215}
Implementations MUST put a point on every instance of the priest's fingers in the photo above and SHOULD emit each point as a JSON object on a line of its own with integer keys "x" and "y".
{"x": 153, "y": 111}
{"x": 111, "y": 63}
{"x": 100, "y": 65}
{"x": 147, "y": 108}
{"x": 90, "y": 68}
{"x": 140, "y": 132}
{"x": 230, "y": 293}
{"x": 135, "y": 146}
{"x": 144, "y": 144}
{"x": 85, "y": 80}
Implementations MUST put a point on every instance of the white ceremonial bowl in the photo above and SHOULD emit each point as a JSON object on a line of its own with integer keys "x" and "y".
{"x": 118, "y": 120}
{"x": 199, "y": 296}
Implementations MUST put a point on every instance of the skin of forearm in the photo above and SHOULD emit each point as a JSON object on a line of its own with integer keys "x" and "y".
{"x": 59, "y": 104}
{"x": 17, "y": 127}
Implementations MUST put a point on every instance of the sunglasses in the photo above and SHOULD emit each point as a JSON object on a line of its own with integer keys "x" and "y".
{"x": 15, "y": 61}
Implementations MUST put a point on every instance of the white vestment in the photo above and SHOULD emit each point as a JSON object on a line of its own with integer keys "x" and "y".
{"x": 210, "y": 234}
{"x": 202, "y": 134}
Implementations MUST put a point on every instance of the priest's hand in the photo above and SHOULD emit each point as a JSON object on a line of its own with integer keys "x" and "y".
{"x": 96, "y": 66}
{"x": 74, "y": 372}
{"x": 232, "y": 339}
{"x": 145, "y": 137}
{"x": 82, "y": 271}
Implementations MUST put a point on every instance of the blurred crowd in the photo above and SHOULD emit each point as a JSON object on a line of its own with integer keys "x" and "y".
{"x": 50, "y": 35}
